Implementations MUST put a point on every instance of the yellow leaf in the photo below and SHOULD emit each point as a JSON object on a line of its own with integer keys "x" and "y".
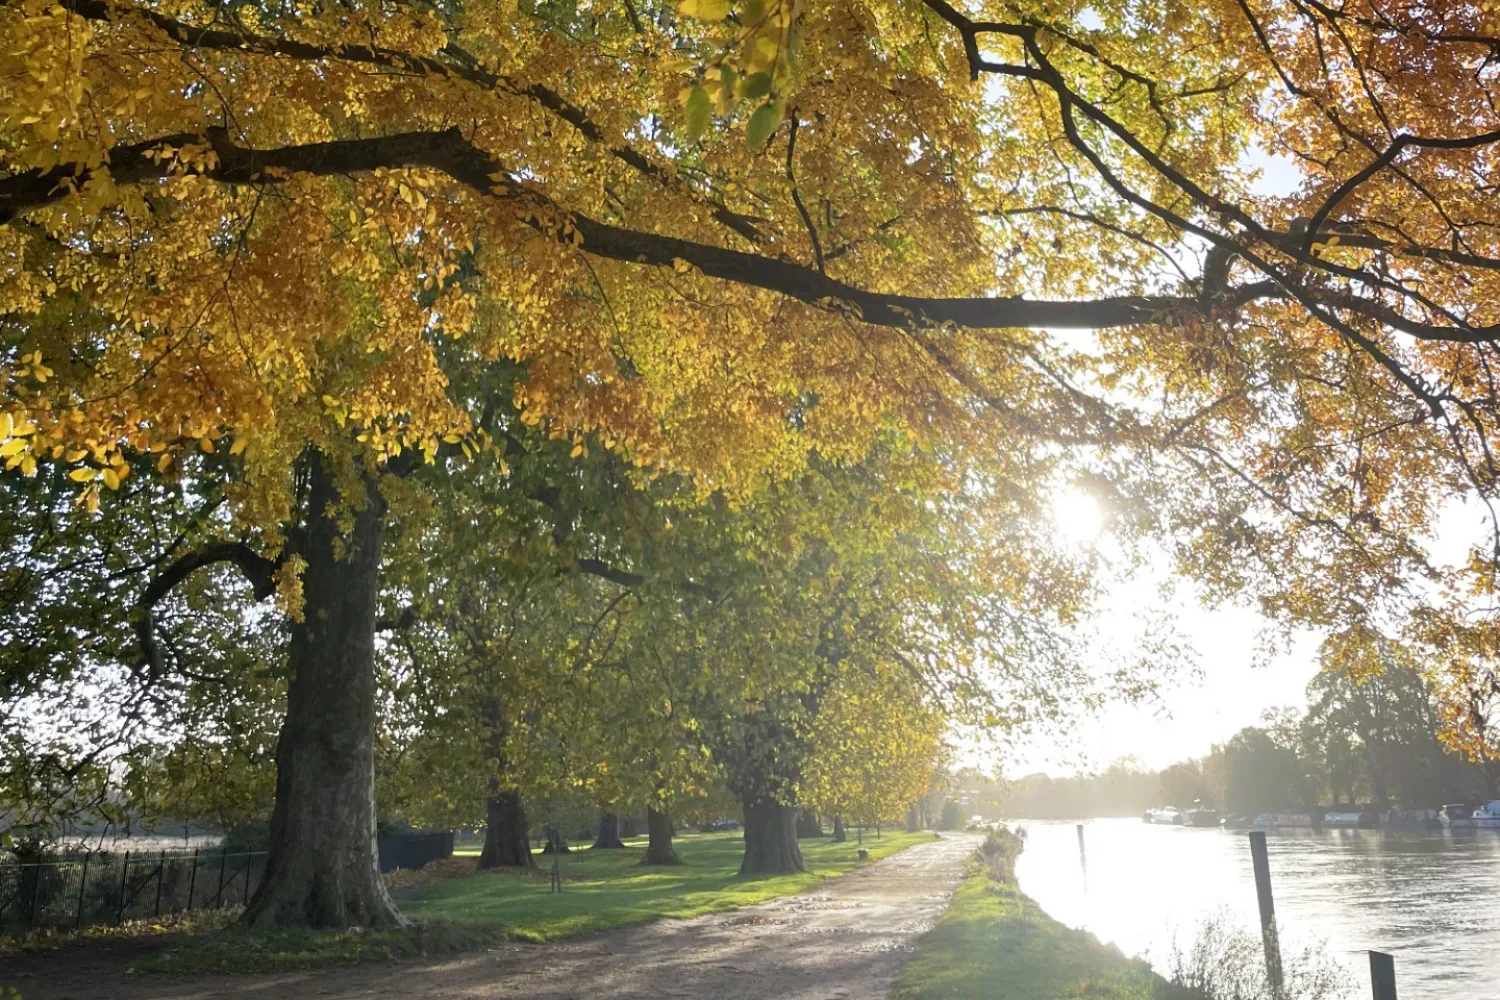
{"x": 111, "y": 479}
{"x": 705, "y": 10}
{"x": 206, "y": 444}
{"x": 238, "y": 446}
{"x": 11, "y": 447}
{"x": 84, "y": 475}
{"x": 164, "y": 461}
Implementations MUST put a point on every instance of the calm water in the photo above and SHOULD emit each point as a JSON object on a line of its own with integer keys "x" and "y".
{"x": 1430, "y": 899}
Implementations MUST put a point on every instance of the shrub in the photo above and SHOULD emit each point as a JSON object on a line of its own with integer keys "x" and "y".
{"x": 1225, "y": 962}
{"x": 999, "y": 852}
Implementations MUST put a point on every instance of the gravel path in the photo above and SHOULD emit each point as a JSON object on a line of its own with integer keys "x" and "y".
{"x": 846, "y": 940}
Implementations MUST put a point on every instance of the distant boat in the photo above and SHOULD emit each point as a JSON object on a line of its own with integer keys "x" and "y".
{"x": 1487, "y": 817}
{"x": 1201, "y": 816}
{"x": 1169, "y": 816}
{"x": 1456, "y": 816}
{"x": 1350, "y": 820}
{"x": 1284, "y": 821}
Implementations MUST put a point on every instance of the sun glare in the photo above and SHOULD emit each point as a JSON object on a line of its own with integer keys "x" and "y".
{"x": 1079, "y": 520}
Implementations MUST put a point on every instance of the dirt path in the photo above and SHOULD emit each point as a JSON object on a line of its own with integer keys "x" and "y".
{"x": 846, "y": 940}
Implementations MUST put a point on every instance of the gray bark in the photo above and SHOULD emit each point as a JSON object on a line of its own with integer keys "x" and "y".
{"x": 323, "y": 868}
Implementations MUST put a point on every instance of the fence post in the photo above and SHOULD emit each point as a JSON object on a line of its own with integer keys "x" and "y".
{"x": 1262, "y": 865}
{"x": 245, "y": 898}
{"x": 1383, "y": 975}
{"x": 124, "y": 874}
{"x": 36, "y": 890}
{"x": 223, "y": 860}
{"x": 192, "y": 879}
{"x": 161, "y": 869}
{"x": 83, "y": 880}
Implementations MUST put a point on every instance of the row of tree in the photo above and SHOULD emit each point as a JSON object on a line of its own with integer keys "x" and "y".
{"x": 545, "y": 631}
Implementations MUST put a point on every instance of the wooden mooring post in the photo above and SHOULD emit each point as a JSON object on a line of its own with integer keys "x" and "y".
{"x": 1262, "y": 865}
{"x": 1383, "y": 975}
{"x": 1083, "y": 858}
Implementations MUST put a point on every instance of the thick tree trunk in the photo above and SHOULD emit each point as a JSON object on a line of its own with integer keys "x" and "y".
{"x": 913, "y": 821}
{"x": 556, "y": 842}
{"x": 323, "y": 867}
{"x": 770, "y": 839}
{"x": 505, "y": 842}
{"x": 659, "y": 850}
{"x": 840, "y": 835}
{"x": 808, "y": 824}
{"x": 609, "y": 833}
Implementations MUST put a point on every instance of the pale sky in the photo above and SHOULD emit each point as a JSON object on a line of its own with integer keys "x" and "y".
{"x": 1238, "y": 676}
{"x": 1241, "y": 669}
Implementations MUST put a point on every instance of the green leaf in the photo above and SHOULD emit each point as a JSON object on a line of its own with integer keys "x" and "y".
{"x": 755, "y": 86}
{"x": 698, "y": 112}
{"x": 763, "y": 123}
{"x": 731, "y": 81}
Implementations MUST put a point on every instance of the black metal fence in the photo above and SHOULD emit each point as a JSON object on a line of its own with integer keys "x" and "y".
{"x": 102, "y": 887}
{"x": 413, "y": 850}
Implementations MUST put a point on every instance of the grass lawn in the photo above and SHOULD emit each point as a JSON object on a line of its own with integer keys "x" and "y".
{"x": 604, "y": 889}
{"x": 994, "y": 942}
{"x": 601, "y": 890}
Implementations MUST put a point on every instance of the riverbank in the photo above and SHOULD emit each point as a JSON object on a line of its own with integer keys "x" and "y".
{"x": 470, "y": 910}
{"x": 993, "y": 934}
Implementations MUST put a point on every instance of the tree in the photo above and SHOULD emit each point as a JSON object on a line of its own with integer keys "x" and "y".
{"x": 1261, "y": 775}
{"x": 877, "y": 742}
{"x": 708, "y": 263}
{"x": 1182, "y": 784}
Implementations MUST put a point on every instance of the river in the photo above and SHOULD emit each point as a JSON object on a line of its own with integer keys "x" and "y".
{"x": 1430, "y": 899}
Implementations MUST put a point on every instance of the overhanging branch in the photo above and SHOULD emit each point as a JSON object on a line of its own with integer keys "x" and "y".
{"x": 257, "y": 569}
{"x": 456, "y": 63}
{"x": 449, "y": 152}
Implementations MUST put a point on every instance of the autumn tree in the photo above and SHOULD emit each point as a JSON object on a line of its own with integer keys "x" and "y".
{"x": 782, "y": 228}
{"x": 875, "y": 745}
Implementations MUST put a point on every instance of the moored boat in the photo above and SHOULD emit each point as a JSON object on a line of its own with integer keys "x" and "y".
{"x": 1349, "y": 820}
{"x": 1168, "y": 816}
{"x": 1285, "y": 821}
{"x": 1487, "y": 816}
{"x": 1200, "y": 816}
{"x": 1456, "y": 816}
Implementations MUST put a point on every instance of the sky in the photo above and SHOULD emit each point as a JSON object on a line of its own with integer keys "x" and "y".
{"x": 1239, "y": 675}
{"x": 1243, "y": 668}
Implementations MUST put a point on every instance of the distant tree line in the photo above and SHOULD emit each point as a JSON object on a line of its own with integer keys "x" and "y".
{"x": 1369, "y": 741}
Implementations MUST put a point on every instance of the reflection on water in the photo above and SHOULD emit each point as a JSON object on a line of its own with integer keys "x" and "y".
{"x": 1430, "y": 899}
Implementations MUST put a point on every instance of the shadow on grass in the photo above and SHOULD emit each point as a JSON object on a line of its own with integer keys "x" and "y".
{"x": 238, "y": 950}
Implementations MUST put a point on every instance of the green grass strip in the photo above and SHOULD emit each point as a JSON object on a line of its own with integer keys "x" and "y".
{"x": 995, "y": 943}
